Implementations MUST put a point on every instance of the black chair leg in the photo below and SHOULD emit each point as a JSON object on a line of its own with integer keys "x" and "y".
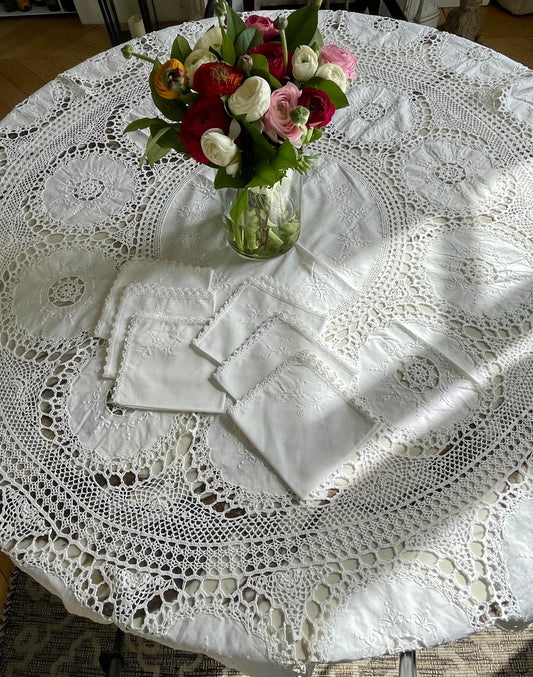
{"x": 112, "y": 661}
{"x": 116, "y": 34}
{"x": 408, "y": 664}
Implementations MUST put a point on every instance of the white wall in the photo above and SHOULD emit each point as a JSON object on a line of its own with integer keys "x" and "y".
{"x": 167, "y": 10}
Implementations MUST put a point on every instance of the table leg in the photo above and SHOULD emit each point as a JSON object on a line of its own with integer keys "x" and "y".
{"x": 112, "y": 661}
{"x": 408, "y": 664}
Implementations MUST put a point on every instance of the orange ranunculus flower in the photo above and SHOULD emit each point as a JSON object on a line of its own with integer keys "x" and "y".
{"x": 169, "y": 79}
{"x": 216, "y": 78}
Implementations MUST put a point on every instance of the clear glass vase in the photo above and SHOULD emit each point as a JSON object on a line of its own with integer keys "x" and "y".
{"x": 270, "y": 223}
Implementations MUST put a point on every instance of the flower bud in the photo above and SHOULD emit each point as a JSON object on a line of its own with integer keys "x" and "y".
{"x": 281, "y": 23}
{"x": 221, "y": 8}
{"x": 245, "y": 64}
{"x": 127, "y": 51}
{"x": 299, "y": 116}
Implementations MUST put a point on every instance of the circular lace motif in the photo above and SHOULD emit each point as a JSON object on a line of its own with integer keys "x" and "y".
{"x": 418, "y": 374}
{"x": 62, "y": 294}
{"x": 386, "y": 25}
{"x": 66, "y": 291}
{"x": 478, "y": 271}
{"x": 88, "y": 190}
{"x": 452, "y": 175}
{"x": 410, "y": 384}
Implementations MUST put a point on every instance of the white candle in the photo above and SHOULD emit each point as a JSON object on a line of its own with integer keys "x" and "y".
{"x": 136, "y": 26}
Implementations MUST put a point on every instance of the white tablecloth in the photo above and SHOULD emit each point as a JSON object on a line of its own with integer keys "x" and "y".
{"x": 417, "y": 243}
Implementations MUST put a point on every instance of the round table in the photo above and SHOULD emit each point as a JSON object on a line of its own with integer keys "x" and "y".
{"x": 417, "y": 243}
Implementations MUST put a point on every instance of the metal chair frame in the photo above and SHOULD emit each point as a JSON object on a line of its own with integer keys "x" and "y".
{"x": 112, "y": 24}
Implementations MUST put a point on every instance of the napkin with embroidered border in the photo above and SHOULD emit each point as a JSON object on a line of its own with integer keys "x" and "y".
{"x": 157, "y": 301}
{"x": 162, "y": 273}
{"x": 252, "y": 303}
{"x": 160, "y": 370}
{"x": 276, "y": 339}
{"x": 303, "y": 420}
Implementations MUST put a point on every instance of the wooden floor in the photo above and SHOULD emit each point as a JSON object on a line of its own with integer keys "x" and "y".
{"x": 33, "y": 50}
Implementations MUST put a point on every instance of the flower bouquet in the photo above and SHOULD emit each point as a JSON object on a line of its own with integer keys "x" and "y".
{"x": 247, "y": 99}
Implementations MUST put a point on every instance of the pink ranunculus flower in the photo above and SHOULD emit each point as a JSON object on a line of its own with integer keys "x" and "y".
{"x": 340, "y": 56}
{"x": 277, "y": 119}
{"x": 264, "y": 25}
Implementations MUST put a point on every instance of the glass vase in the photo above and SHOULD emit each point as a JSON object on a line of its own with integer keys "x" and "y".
{"x": 270, "y": 223}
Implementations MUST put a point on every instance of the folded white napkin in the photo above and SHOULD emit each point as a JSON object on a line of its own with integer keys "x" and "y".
{"x": 163, "y": 273}
{"x": 154, "y": 300}
{"x": 302, "y": 420}
{"x": 272, "y": 343}
{"x": 252, "y": 303}
{"x": 160, "y": 370}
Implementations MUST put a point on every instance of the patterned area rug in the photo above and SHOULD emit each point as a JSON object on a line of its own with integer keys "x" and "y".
{"x": 38, "y": 638}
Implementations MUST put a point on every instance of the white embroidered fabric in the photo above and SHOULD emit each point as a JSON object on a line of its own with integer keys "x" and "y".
{"x": 416, "y": 246}
{"x": 152, "y": 274}
{"x": 253, "y": 303}
{"x": 296, "y": 413}
{"x": 156, "y": 300}
{"x": 159, "y": 369}
{"x": 275, "y": 340}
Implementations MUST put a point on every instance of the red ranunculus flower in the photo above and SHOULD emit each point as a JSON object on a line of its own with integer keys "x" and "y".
{"x": 216, "y": 78}
{"x": 320, "y": 107}
{"x": 264, "y": 25}
{"x": 207, "y": 113}
{"x": 273, "y": 52}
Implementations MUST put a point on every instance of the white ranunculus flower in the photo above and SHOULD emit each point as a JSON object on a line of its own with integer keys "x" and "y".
{"x": 196, "y": 59}
{"x": 304, "y": 62}
{"x": 211, "y": 38}
{"x": 221, "y": 150}
{"x": 251, "y": 99}
{"x": 333, "y": 72}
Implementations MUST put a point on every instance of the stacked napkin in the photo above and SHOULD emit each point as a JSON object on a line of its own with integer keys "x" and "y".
{"x": 167, "y": 349}
{"x": 150, "y": 316}
{"x": 293, "y": 395}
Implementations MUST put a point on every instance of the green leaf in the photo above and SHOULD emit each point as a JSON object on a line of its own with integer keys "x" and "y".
{"x": 180, "y": 49}
{"x": 287, "y": 151}
{"x": 301, "y": 27}
{"x": 286, "y": 158}
{"x": 265, "y": 173}
{"x": 260, "y": 67}
{"x": 189, "y": 99}
{"x": 173, "y": 109}
{"x": 171, "y": 139}
{"x": 142, "y": 123}
{"x": 318, "y": 41}
{"x": 161, "y": 142}
{"x": 234, "y": 24}
{"x": 250, "y": 37}
{"x": 228, "y": 50}
{"x": 261, "y": 146}
{"x": 315, "y": 134}
{"x": 223, "y": 180}
{"x": 335, "y": 93}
